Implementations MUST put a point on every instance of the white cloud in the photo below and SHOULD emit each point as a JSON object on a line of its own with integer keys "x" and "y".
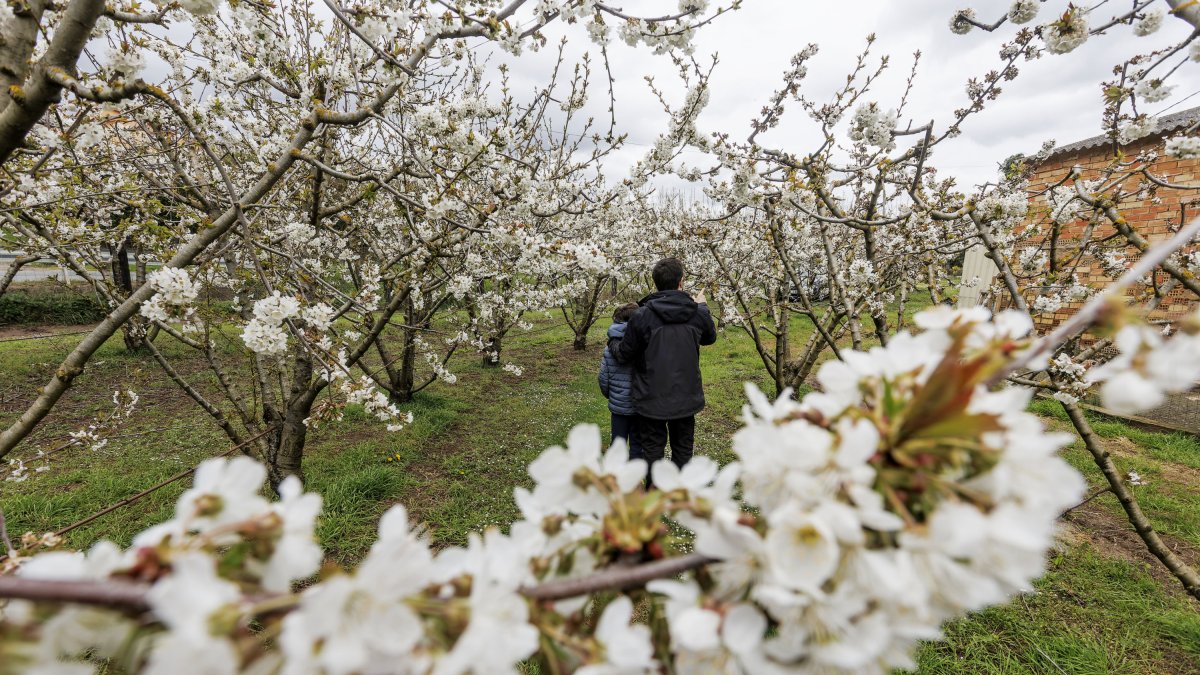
{"x": 1054, "y": 97}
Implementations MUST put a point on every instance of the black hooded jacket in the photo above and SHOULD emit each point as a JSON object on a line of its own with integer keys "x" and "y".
{"x": 663, "y": 341}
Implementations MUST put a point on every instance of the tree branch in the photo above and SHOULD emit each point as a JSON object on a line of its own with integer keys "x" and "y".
{"x": 30, "y": 102}
{"x": 1186, "y": 575}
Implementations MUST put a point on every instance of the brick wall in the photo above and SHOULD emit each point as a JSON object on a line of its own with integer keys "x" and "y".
{"x": 1152, "y": 216}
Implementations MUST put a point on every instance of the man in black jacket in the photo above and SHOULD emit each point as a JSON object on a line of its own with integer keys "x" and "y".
{"x": 663, "y": 341}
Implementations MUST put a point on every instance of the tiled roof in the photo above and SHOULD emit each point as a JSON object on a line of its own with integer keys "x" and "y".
{"x": 1166, "y": 123}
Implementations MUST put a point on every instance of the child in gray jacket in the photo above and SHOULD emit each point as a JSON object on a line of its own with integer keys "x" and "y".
{"x": 616, "y": 381}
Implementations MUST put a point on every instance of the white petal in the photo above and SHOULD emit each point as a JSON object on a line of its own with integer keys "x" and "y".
{"x": 743, "y": 628}
{"x": 696, "y": 629}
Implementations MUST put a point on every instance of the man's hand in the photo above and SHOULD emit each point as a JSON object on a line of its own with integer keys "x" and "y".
{"x": 699, "y": 297}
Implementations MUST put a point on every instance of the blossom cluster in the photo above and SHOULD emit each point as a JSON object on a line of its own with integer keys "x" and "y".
{"x": 174, "y": 294}
{"x": 858, "y": 550}
{"x": 903, "y": 494}
{"x": 1137, "y": 127}
{"x": 1064, "y": 202}
{"x": 1148, "y": 367}
{"x": 1183, "y": 147}
{"x": 364, "y": 392}
{"x": 1066, "y": 33}
{"x": 1023, "y": 11}
{"x": 1149, "y": 23}
{"x": 1006, "y": 207}
{"x": 266, "y": 333}
{"x": 960, "y": 23}
{"x": 873, "y": 126}
{"x": 1051, "y": 299}
{"x": 1152, "y": 90}
{"x": 1069, "y": 377}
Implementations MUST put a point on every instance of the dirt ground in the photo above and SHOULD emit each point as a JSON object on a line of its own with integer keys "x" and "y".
{"x": 1112, "y": 536}
{"x": 14, "y": 333}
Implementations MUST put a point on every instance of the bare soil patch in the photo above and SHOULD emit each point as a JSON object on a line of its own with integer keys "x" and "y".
{"x": 1113, "y": 536}
{"x": 18, "y": 332}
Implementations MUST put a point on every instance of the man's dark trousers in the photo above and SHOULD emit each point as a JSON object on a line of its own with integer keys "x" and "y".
{"x": 652, "y": 434}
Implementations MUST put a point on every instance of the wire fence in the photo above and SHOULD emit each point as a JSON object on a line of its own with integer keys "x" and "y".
{"x": 1180, "y": 412}
{"x": 154, "y": 488}
{"x": 133, "y": 499}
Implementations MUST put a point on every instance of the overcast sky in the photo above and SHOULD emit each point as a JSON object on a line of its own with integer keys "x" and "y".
{"x": 1055, "y": 97}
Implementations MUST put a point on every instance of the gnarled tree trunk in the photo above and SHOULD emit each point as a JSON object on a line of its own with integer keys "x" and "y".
{"x": 796, "y": 371}
{"x": 284, "y": 444}
{"x": 134, "y": 330}
{"x": 491, "y": 351}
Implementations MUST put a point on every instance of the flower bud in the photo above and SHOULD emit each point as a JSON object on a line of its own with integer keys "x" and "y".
{"x": 208, "y": 505}
{"x": 552, "y": 524}
{"x": 582, "y": 478}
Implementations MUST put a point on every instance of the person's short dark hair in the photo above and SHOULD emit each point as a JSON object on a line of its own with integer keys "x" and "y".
{"x": 667, "y": 274}
{"x": 623, "y": 313}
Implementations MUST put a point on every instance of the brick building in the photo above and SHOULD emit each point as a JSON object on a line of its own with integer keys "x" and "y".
{"x": 1153, "y": 217}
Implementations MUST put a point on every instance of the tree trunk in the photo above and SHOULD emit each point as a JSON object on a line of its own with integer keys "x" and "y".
{"x": 290, "y": 431}
{"x": 140, "y": 268}
{"x": 782, "y": 343}
{"x": 134, "y": 333}
{"x": 933, "y": 285}
{"x": 391, "y": 374}
{"x": 404, "y": 379}
{"x": 881, "y": 329}
{"x": 289, "y": 451}
{"x": 799, "y": 369}
{"x": 406, "y": 376}
{"x": 401, "y": 376}
{"x": 492, "y": 350}
{"x": 585, "y": 313}
{"x": 120, "y": 268}
{"x": 856, "y": 331}
{"x": 134, "y": 330}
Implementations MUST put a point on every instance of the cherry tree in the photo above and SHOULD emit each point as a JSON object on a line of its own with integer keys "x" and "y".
{"x": 913, "y": 487}
{"x": 614, "y": 268}
{"x": 839, "y": 544}
{"x": 280, "y": 155}
{"x": 867, "y": 208}
{"x": 1074, "y": 238}
{"x": 839, "y": 220}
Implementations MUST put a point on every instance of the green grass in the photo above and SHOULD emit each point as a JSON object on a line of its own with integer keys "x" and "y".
{"x": 456, "y": 465}
{"x": 1179, "y": 448}
{"x": 1088, "y": 614}
{"x": 1168, "y": 463}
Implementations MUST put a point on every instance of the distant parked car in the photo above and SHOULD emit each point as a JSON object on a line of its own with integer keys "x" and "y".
{"x": 816, "y": 285}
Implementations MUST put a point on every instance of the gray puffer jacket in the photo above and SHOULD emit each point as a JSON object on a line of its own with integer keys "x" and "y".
{"x": 616, "y": 379}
